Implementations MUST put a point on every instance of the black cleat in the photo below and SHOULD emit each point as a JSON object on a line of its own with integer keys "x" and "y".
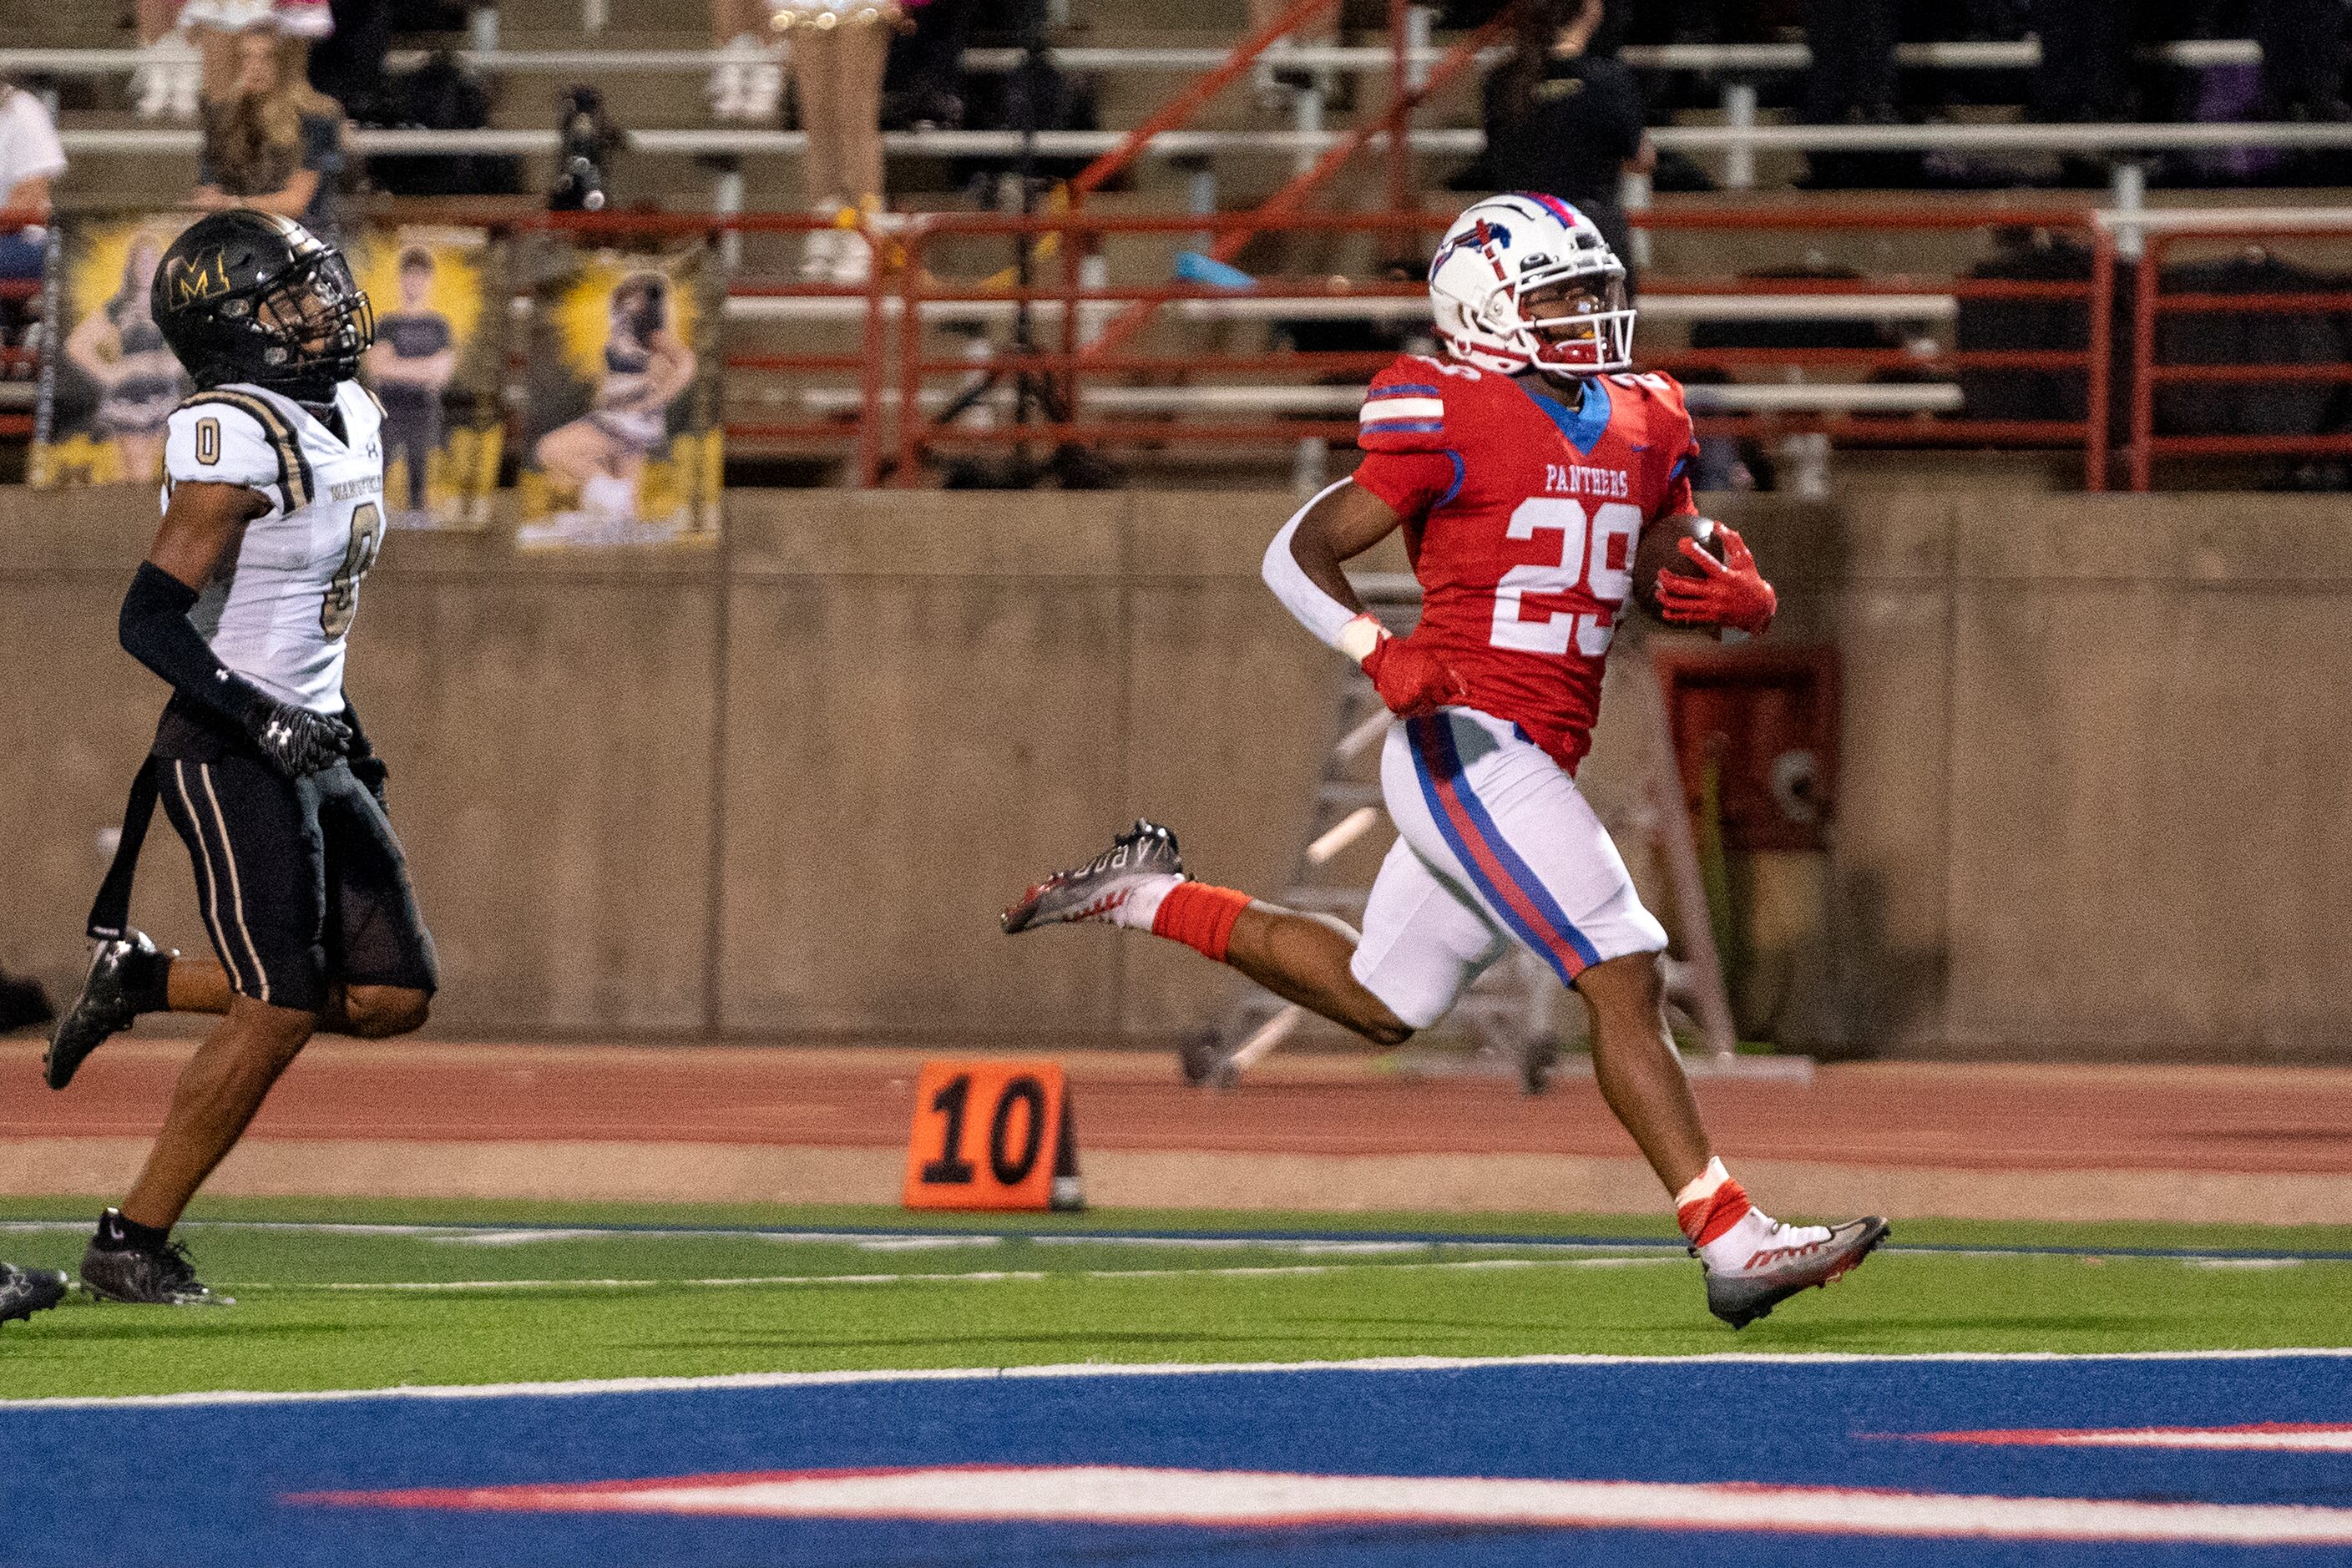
{"x": 24, "y": 1291}
{"x": 1775, "y": 1274}
{"x": 126, "y": 979}
{"x": 1538, "y": 1059}
{"x": 1204, "y": 1061}
{"x": 1095, "y": 890}
{"x": 160, "y": 1276}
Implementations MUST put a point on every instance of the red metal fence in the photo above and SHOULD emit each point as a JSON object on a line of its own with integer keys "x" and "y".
{"x": 2150, "y": 303}
{"x": 1071, "y": 361}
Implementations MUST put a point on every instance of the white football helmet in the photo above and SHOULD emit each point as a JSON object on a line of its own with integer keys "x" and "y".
{"x": 1504, "y": 246}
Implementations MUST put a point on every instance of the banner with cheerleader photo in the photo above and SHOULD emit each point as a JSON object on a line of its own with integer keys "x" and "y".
{"x": 625, "y": 442}
{"x": 110, "y": 383}
{"x": 437, "y": 365}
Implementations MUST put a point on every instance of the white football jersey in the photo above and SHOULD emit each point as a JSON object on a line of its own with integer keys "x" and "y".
{"x": 278, "y": 614}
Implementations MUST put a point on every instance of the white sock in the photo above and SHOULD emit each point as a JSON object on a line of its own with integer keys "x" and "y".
{"x": 1738, "y": 1250}
{"x": 1142, "y": 905}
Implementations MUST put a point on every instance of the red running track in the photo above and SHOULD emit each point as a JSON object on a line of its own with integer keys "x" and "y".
{"x": 2252, "y": 1119}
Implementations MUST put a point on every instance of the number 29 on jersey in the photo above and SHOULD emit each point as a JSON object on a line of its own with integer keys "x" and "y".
{"x": 1596, "y": 557}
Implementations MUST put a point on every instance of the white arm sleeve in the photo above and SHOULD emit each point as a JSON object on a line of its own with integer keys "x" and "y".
{"x": 1316, "y": 610}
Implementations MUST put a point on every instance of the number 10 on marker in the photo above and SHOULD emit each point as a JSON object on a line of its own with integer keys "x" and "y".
{"x": 991, "y": 1135}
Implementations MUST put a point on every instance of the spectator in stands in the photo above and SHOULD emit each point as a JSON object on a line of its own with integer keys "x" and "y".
{"x": 748, "y": 82}
{"x": 927, "y": 70}
{"x": 347, "y": 62}
{"x": 1852, "y": 82}
{"x": 2303, "y": 58}
{"x": 212, "y": 28}
{"x": 30, "y": 157}
{"x": 2088, "y": 71}
{"x": 2086, "y": 48}
{"x": 272, "y": 141}
{"x": 839, "y": 49}
{"x": 1694, "y": 22}
{"x": 1566, "y": 121}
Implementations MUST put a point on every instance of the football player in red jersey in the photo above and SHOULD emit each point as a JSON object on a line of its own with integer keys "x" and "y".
{"x": 1523, "y": 467}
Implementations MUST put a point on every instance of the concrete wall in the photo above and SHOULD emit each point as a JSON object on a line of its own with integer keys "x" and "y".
{"x": 2091, "y": 784}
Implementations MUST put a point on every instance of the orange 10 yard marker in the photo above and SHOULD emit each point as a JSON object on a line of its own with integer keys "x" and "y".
{"x": 992, "y": 1135}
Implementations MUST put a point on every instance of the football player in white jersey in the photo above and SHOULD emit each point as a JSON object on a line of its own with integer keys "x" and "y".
{"x": 273, "y": 510}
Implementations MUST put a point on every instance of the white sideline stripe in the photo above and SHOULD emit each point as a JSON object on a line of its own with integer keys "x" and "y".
{"x": 575, "y": 1233}
{"x": 461, "y": 1233}
{"x": 865, "y": 1241}
{"x": 731, "y": 1381}
{"x": 1110, "y": 1494}
{"x": 980, "y": 1277}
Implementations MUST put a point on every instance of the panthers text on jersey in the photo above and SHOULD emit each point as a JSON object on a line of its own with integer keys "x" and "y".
{"x": 1521, "y": 520}
{"x": 279, "y": 612}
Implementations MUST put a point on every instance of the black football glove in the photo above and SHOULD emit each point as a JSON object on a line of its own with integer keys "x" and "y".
{"x": 296, "y": 742}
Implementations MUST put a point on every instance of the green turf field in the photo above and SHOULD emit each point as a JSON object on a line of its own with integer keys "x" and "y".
{"x": 421, "y": 1293}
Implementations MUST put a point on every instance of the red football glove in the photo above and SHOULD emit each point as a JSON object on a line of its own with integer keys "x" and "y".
{"x": 1411, "y": 680}
{"x": 1732, "y": 593}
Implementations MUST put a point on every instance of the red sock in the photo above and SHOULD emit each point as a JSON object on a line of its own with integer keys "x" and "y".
{"x": 1200, "y": 916}
{"x": 1704, "y": 1219}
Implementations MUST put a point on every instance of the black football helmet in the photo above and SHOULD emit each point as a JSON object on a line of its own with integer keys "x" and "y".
{"x": 245, "y": 295}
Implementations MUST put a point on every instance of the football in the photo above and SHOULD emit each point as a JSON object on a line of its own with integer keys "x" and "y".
{"x": 1658, "y": 549}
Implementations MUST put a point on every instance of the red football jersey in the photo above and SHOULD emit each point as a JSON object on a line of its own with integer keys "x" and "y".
{"x": 1521, "y": 521}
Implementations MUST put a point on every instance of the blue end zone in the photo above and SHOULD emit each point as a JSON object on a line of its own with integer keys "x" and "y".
{"x": 191, "y": 1484}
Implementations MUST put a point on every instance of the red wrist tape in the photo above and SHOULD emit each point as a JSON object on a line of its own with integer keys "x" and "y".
{"x": 1200, "y": 916}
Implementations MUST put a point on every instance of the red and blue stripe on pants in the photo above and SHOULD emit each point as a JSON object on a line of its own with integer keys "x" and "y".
{"x": 1510, "y": 886}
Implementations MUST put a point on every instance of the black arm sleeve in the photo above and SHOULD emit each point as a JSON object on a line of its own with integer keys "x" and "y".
{"x": 156, "y": 631}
